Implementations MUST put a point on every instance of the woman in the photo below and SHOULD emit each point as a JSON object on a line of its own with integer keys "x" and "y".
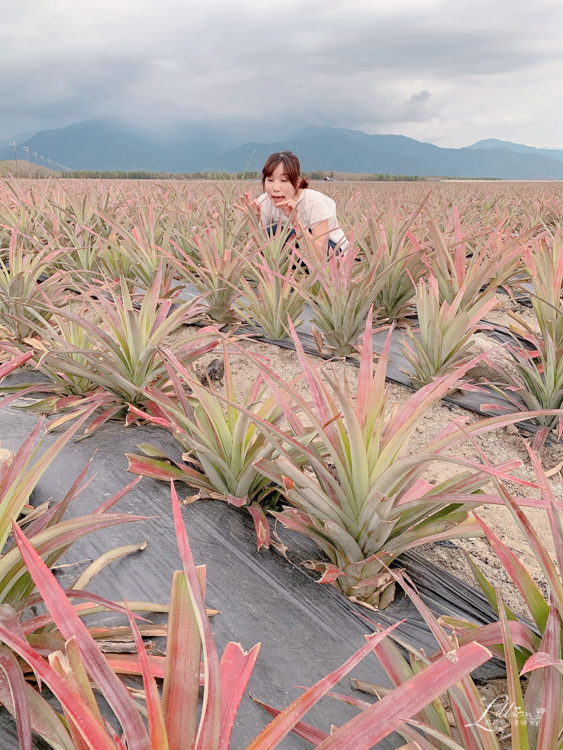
{"x": 287, "y": 195}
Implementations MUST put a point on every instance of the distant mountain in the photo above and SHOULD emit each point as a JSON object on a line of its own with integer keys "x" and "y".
{"x": 107, "y": 143}
{"x": 322, "y": 152}
{"x": 520, "y": 148}
{"x": 343, "y": 150}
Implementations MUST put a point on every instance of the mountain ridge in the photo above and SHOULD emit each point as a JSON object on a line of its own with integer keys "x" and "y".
{"x": 354, "y": 151}
{"x": 520, "y": 148}
{"x": 108, "y": 143}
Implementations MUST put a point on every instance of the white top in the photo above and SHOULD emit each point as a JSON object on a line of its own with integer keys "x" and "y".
{"x": 312, "y": 208}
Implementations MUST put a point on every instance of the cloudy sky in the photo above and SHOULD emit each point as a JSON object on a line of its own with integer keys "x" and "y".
{"x": 446, "y": 71}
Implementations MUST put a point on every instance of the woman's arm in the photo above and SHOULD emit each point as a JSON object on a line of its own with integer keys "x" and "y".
{"x": 318, "y": 234}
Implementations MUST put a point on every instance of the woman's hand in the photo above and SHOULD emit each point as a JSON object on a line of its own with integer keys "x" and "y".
{"x": 254, "y": 206}
{"x": 287, "y": 206}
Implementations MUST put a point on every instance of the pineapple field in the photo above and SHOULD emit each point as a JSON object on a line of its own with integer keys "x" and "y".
{"x": 400, "y": 400}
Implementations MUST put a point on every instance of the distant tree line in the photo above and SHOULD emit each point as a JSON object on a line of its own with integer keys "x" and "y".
{"x": 314, "y": 175}
{"x": 364, "y": 177}
{"x": 319, "y": 175}
{"x": 8, "y": 168}
{"x": 396, "y": 178}
{"x": 136, "y": 175}
{"x": 110, "y": 175}
{"x": 478, "y": 179}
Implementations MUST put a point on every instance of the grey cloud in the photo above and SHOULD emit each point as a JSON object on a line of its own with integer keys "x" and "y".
{"x": 341, "y": 63}
{"x": 56, "y": 92}
{"x": 422, "y": 96}
{"x": 446, "y": 41}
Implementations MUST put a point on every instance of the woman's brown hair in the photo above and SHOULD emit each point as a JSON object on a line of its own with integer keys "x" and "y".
{"x": 291, "y": 168}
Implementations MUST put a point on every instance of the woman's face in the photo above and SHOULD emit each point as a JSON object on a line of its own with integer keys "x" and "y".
{"x": 277, "y": 186}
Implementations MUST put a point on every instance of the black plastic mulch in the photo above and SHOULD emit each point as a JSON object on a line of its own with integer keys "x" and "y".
{"x": 306, "y": 630}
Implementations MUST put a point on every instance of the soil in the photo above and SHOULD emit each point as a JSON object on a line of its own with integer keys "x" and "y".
{"x": 500, "y": 314}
